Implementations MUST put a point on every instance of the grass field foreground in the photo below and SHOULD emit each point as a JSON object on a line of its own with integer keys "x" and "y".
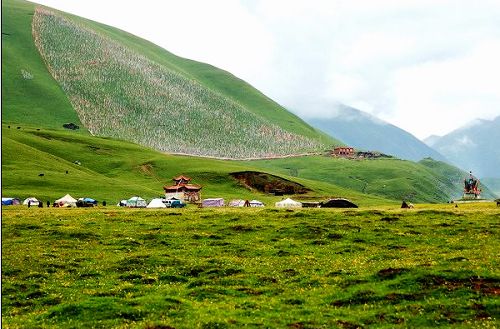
{"x": 434, "y": 266}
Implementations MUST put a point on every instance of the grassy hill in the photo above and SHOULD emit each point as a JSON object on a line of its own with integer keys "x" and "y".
{"x": 113, "y": 170}
{"x": 29, "y": 93}
{"x": 427, "y": 181}
{"x": 124, "y": 87}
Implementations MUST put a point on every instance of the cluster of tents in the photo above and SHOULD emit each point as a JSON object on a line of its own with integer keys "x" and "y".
{"x": 65, "y": 201}
{"x": 138, "y": 202}
{"x": 10, "y": 201}
{"x": 219, "y": 202}
{"x": 69, "y": 201}
{"x": 330, "y": 203}
{"x": 287, "y": 203}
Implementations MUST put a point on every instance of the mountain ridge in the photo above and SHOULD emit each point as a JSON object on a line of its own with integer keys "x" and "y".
{"x": 364, "y": 131}
{"x": 474, "y": 147}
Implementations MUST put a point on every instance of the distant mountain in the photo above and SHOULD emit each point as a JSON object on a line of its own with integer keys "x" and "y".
{"x": 473, "y": 147}
{"x": 364, "y": 131}
{"x": 431, "y": 140}
{"x": 493, "y": 184}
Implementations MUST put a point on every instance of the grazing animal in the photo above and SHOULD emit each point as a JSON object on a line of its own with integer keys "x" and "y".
{"x": 498, "y": 203}
{"x": 41, "y": 174}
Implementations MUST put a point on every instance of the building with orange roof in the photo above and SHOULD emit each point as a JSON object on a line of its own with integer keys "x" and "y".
{"x": 183, "y": 189}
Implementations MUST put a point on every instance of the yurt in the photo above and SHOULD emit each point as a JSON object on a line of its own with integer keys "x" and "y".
{"x": 288, "y": 203}
{"x": 66, "y": 201}
{"x": 156, "y": 203}
{"x": 136, "y": 202}
{"x": 32, "y": 201}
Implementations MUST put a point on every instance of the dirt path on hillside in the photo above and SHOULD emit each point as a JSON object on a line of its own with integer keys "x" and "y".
{"x": 249, "y": 159}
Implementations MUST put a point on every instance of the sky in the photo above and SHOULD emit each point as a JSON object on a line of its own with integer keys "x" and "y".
{"x": 427, "y": 66}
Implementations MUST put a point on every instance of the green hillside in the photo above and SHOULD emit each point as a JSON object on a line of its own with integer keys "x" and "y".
{"x": 113, "y": 170}
{"x": 29, "y": 93}
{"x": 124, "y": 87}
{"x": 427, "y": 181}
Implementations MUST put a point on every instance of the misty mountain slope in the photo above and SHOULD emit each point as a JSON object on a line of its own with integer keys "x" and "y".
{"x": 474, "y": 147}
{"x": 363, "y": 131}
{"x": 493, "y": 184}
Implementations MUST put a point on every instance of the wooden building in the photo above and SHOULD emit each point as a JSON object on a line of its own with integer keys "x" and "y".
{"x": 343, "y": 151}
{"x": 183, "y": 189}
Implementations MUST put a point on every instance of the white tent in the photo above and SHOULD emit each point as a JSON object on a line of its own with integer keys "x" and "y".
{"x": 288, "y": 203}
{"x": 156, "y": 203}
{"x": 66, "y": 201}
{"x": 256, "y": 203}
{"x": 136, "y": 202}
{"x": 32, "y": 201}
{"x": 214, "y": 202}
{"x": 237, "y": 203}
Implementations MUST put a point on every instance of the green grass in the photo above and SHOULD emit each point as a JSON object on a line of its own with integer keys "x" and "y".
{"x": 113, "y": 170}
{"x": 35, "y": 98}
{"x": 433, "y": 266}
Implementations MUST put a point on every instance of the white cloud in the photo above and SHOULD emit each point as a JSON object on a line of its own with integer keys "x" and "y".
{"x": 442, "y": 95}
